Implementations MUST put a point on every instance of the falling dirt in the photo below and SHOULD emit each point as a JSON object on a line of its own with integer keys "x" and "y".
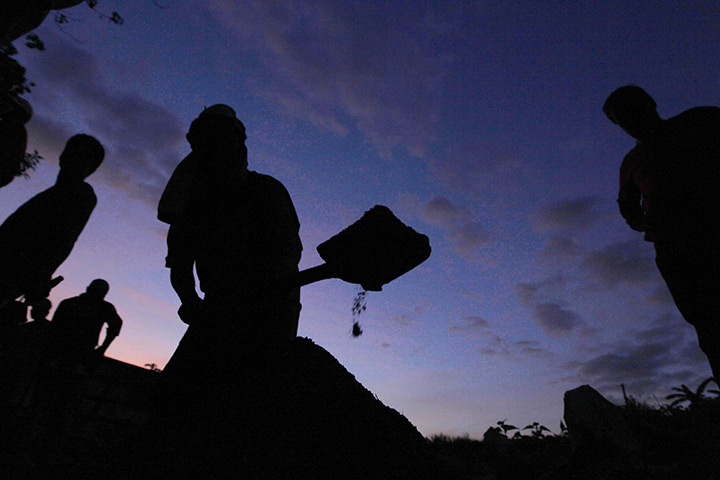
{"x": 359, "y": 306}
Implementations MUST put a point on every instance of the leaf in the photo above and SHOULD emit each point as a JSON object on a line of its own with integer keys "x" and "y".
{"x": 703, "y": 385}
{"x": 507, "y": 428}
{"x": 116, "y": 18}
{"x": 33, "y": 41}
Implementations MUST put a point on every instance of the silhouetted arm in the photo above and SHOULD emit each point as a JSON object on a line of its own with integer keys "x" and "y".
{"x": 183, "y": 282}
{"x": 630, "y": 196}
{"x": 114, "y": 324}
{"x": 182, "y": 277}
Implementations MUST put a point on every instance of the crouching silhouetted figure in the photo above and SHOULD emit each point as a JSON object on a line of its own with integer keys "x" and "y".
{"x": 78, "y": 322}
{"x": 37, "y": 238}
{"x": 669, "y": 190}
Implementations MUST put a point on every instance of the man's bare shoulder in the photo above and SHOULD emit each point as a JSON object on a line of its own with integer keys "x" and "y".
{"x": 696, "y": 117}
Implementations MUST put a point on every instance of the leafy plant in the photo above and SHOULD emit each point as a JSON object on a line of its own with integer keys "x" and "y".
{"x": 537, "y": 430}
{"x": 507, "y": 428}
{"x": 29, "y": 162}
{"x": 684, "y": 394}
{"x": 563, "y": 428}
{"x": 153, "y": 367}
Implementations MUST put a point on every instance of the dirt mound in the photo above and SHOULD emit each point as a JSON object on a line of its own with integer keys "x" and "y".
{"x": 305, "y": 416}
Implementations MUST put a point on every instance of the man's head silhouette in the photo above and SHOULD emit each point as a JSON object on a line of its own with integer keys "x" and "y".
{"x": 633, "y": 110}
{"x": 82, "y": 155}
{"x": 97, "y": 289}
{"x": 219, "y": 136}
{"x": 40, "y": 309}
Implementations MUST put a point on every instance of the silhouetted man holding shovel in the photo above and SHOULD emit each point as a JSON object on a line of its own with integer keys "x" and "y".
{"x": 670, "y": 190}
{"x": 240, "y": 231}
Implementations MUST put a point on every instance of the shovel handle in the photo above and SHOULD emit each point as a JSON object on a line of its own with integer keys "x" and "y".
{"x": 314, "y": 274}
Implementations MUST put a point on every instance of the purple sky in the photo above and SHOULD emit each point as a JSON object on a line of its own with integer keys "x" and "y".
{"x": 477, "y": 123}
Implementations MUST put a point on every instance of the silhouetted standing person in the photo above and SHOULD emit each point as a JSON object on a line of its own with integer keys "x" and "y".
{"x": 240, "y": 231}
{"x": 37, "y": 238}
{"x": 78, "y": 322}
{"x": 670, "y": 190}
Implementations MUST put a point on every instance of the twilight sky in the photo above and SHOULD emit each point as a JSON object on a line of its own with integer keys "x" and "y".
{"x": 477, "y": 123}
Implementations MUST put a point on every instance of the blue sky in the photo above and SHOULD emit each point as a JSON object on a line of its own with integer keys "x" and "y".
{"x": 477, "y": 123}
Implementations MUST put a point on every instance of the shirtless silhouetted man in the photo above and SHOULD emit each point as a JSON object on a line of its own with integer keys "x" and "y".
{"x": 78, "y": 322}
{"x": 39, "y": 236}
{"x": 670, "y": 190}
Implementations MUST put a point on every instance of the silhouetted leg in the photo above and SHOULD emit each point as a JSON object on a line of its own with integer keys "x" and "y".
{"x": 692, "y": 274}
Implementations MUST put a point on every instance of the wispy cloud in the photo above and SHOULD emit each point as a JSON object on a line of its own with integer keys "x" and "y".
{"x": 646, "y": 359}
{"x": 529, "y": 292}
{"x": 562, "y": 221}
{"x": 496, "y": 346}
{"x": 561, "y": 247}
{"x": 342, "y": 65}
{"x": 464, "y": 233}
{"x": 552, "y": 315}
{"x": 141, "y": 137}
{"x": 403, "y": 319}
{"x": 470, "y": 165}
{"x": 471, "y": 323}
{"x": 568, "y": 215}
{"x": 555, "y": 318}
{"x": 629, "y": 262}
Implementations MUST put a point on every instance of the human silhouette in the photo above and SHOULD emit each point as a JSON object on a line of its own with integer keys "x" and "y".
{"x": 669, "y": 191}
{"x": 39, "y": 313}
{"x": 78, "y": 322}
{"x": 34, "y": 333}
{"x": 36, "y": 329}
{"x": 240, "y": 231}
{"x": 37, "y": 238}
{"x": 12, "y": 315}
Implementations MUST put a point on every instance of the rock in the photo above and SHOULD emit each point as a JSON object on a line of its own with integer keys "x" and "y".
{"x": 595, "y": 424}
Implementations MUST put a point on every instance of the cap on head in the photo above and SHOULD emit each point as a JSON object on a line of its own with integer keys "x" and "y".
{"x": 212, "y": 118}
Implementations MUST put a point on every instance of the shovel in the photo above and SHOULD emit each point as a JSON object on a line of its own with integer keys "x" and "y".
{"x": 371, "y": 252}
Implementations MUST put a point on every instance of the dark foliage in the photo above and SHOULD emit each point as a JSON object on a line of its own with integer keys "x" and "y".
{"x": 676, "y": 444}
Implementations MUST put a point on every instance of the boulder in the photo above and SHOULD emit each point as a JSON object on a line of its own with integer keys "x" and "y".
{"x": 596, "y": 424}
